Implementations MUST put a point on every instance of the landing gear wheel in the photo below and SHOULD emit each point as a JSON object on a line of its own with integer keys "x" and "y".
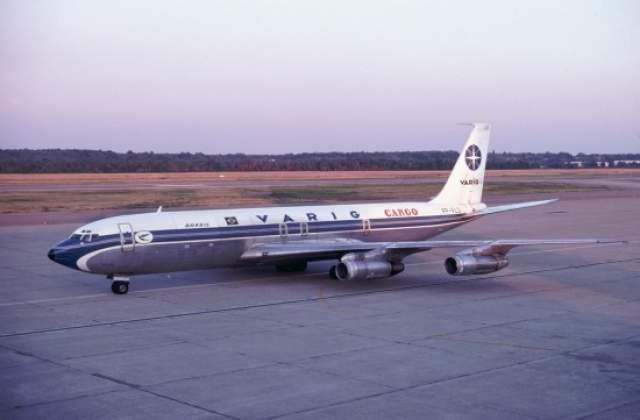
{"x": 292, "y": 267}
{"x": 332, "y": 272}
{"x": 120, "y": 287}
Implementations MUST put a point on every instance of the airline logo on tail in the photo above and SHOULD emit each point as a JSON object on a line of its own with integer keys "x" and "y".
{"x": 473, "y": 157}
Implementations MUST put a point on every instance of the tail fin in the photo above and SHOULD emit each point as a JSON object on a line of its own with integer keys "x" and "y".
{"x": 466, "y": 180}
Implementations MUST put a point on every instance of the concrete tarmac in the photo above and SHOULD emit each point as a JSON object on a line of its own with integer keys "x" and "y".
{"x": 556, "y": 335}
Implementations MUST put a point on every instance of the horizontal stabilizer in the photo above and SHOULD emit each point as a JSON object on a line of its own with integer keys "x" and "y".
{"x": 514, "y": 206}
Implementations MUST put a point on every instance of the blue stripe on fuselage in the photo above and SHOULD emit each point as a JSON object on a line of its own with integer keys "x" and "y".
{"x": 70, "y": 250}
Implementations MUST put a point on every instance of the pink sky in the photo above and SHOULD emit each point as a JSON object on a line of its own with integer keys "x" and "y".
{"x": 295, "y": 76}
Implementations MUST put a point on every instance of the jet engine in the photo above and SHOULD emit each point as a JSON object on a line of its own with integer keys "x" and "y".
{"x": 349, "y": 269}
{"x": 464, "y": 264}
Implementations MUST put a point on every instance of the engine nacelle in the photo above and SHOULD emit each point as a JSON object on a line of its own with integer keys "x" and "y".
{"x": 467, "y": 264}
{"x": 358, "y": 270}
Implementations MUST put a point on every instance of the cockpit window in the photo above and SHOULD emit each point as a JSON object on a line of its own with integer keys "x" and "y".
{"x": 85, "y": 235}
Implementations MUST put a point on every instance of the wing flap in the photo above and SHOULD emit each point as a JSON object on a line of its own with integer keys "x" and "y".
{"x": 278, "y": 251}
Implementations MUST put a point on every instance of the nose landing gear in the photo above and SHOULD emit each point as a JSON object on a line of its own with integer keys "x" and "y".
{"x": 120, "y": 285}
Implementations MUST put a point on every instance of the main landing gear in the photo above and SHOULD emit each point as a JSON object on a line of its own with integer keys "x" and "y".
{"x": 120, "y": 285}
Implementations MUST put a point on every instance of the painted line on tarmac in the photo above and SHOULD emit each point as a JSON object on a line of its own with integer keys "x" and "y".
{"x": 36, "y": 301}
{"x": 158, "y": 289}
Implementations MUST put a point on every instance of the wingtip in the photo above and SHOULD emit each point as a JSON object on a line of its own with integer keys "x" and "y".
{"x": 545, "y": 202}
{"x": 612, "y": 241}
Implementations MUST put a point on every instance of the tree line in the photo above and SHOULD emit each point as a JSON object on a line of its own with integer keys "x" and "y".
{"x": 74, "y": 160}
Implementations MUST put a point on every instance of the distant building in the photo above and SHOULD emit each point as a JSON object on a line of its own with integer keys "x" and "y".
{"x": 628, "y": 162}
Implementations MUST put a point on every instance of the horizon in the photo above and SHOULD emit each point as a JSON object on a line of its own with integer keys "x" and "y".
{"x": 303, "y": 77}
{"x": 318, "y": 151}
{"x": 313, "y": 151}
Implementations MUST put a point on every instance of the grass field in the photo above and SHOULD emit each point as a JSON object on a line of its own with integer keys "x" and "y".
{"x": 56, "y": 201}
{"x": 36, "y": 193}
{"x": 222, "y": 177}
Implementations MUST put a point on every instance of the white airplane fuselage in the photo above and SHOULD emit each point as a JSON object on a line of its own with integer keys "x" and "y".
{"x": 188, "y": 240}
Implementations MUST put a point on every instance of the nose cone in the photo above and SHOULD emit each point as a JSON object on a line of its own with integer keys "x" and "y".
{"x": 63, "y": 256}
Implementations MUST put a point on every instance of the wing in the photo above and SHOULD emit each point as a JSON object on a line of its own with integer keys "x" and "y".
{"x": 317, "y": 250}
{"x": 501, "y": 246}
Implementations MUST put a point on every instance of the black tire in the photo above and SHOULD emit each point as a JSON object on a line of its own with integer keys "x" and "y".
{"x": 332, "y": 272}
{"x": 120, "y": 287}
{"x": 292, "y": 267}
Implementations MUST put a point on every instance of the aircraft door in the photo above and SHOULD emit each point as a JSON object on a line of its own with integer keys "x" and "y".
{"x": 366, "y": 226}
{"x": 304, "y": 229}
{"x": 283, "y": 229}
{"x": 127, "y": 241}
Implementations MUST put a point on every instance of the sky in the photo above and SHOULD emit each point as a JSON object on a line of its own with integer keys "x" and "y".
{"x": 235, "y": 76}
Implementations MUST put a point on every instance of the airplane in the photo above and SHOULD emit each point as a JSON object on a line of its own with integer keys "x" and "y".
{"x": 367, "y": 241}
